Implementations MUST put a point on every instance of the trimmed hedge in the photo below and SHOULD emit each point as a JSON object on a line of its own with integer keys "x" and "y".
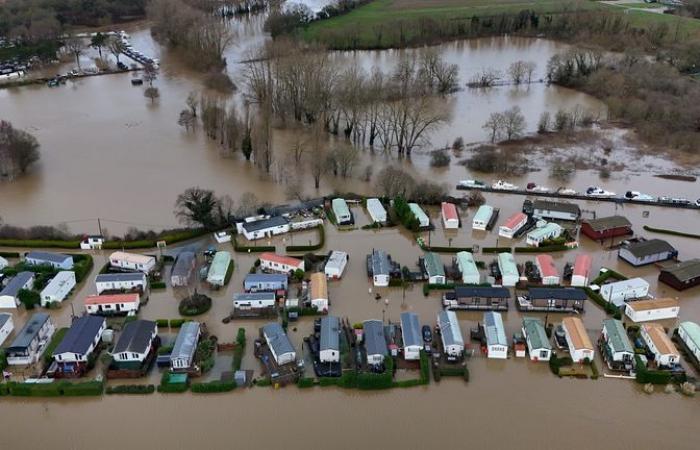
{"x": 229, "y": 272}
{"x": 39, "y": 243}
{"x": 644, "y": 375}
{"x": 171, "y": 388}
{"x": 306, "y": 382}
{"x": 239, "y": 350}
{"x": 9, "y": 254}
{"x": 556, "y": 363}
{"x": 213, "y": 386}
{"x": 82, "y": 265}
{"x": 55, "y": 389}
{"x": 176, "y": 323}
{"x": 603, "y": 277}
{"x": 671, "y": 232}
{"x": 172, "y": 237}
{"x": 162, "y": 323}
{"x": 496, "y": 249}
{"x": 255, "y": 249}
{"x": 542, "y": 249}
{"x": 438, "y": 249}
{"x": 158, "y": 285}
{"x": 131, "y": 389}
{"x": 310, "y": 248}
{"x": 608, "y": 307}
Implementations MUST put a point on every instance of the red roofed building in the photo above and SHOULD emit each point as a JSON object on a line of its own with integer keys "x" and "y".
{"x": 450, "y": 218}
{"x": 548, "y": 271}
{"x": 582, "y": 271}
{"x": 111, "y": 305}
{"x": 512, "y": 225}
{"x": 279, "y": 263}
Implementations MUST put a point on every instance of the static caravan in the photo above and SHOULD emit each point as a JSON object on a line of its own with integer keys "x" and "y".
{"x": 280, "y": 264}
{"x": 218, "y": 268}
{"x": 343, "y": 216}
{"x": 434, "y": 268}
{"x": 121, "y": 282}
{"x": 512, "y": 225}
{"x": 117, "y": 304}
{"x": 496, "y": 341}
{"x": 689, "y": 332}
{"x": 265, "y": 282}
{"x": 582, "y": 270}
{"x": 254, "y": 300}
{"x": 134, "y": 344}
{"x": 547, "y": 269}
{"x": 279, "y": 344}
{"x": 577, "y": 339}
{"x": 263, "y": 228}
{"x": 538, "y": 345}
{"x": 182, "y": 355}
{"x": 329, "y": 346}
{"x": 56, "y": 260}
{"x": 660, "y": 345}
{"x": 656, "y": 309}
{"x": 31, "y": 341}
{"x": 565, "y": 299}
{"x": 376, "y": 210}
{"x": 58, "y": 288}
{"x": 468, "y": 268}
{"x": 183, "y": 269}
{"x": 539, "y": 235}
{"x": 318, "y": 291}
{"x": 647, "y": 252}
{"x": 411, "y": 336}
{"x": 9, "y": 295}
{"x": 482, "y": 217}
{"x": 544, "y": 209}
{"x": 132, "y": 261}
{"x": 509, "y": 270}
{"x": 375, "y": 342}
{"x": 6, "y": 326}
{"x": 450, "y": 217}
{"x": 72, "y": 353}
{"x": 450, "y": 334}
{"x": 92, "y": 242}
{"x": 619, "y": 292}
{"x": 381, "y": 268}
{"x": 335, "y": 265}
{"x": 617, "y": 348}
{"x": 485, "y": 298}
{"x": 423, "y": 220}
{"x": 681, "y": 276}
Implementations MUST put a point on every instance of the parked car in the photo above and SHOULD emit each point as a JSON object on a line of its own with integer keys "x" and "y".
{"x": 427, "y": 334}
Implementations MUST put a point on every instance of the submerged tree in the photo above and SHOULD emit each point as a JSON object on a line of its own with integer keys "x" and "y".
{"x": 197, "y": 206}
{"x": 18, "y": 150}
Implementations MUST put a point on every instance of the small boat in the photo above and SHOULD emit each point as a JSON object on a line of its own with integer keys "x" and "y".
{"x": 136, "y": 81}
{"x": 501, "y": 185}
{"x": 472, "y": 184}
{"x": 532, "y": 187}
{"x": 638, "y": 196}
{"x": 567, "y": 191}
{"x": 597, "y": 191}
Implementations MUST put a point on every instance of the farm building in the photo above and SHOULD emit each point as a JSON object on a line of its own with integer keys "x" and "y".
{"x": 468, "y": 268}
{"x": 544, "y": 209}
{"x": 182, "y": 355}
{"x": 254, "y": 300}
{"x": 329, "y": 346}
{"x": 112, "y": 305}
{"x": 342, "y": 213}
{"x": 619, "y": 292}
{"x": 7, "y": 326}
{"x": 135, "y": 342}
{"x": 683, "y": 275}
{"x": 279, "y": 263}
{"x": 381, "y": 268}
{"x": 496, "y": 341}
{"x": 566, "y": 299}
{"x": 375, "y": 342}
{"x": 72, "y": 353}
{"x": 318, "y": 291}
{"x": 132, "y": 261}
{"x": 434, "y": 268}
{"x": 547, "y": 269}
{"x": 121, "y": 282}
{"x": 411, "y": 336}
{"x": 537, "y": 236}
{"x": 58, "y": 288}
{"x": 263, "y": 228}
{"x": 420, "y": 215}
{"x": 376, "y": 210}
{"x": 450, "y": 218}
{"x": 482, "y": 217}
{"x": 512, "y": 225}
{"x": 477, "y": 298}
{"x": 617, "y": 348}
{"x": 656, "y": 309}
{"x": 606, "y": 227}
{"x": 689, "y": 332}
{"x": 55, "y": 260}
{"x": 538, "y": 345}
{"x": 582, "y": 270}
{"x": 279, "y": 344}
{"x": 509, "y": 270}
{"x": 577, "y": 339}
{"x": 450, "y": 333}
{"x": 660, "y": 345}
{"x": 647, "y": 252}
{"x": 265, "y": 282}
{"x": 335, "y": 265}
{"x": 9, "y": 294}
{"x": 218, "y": 268}
{"x": 92, "y": 242}
{"x": 183, "y": 269}
{"x": 31, "y": 341}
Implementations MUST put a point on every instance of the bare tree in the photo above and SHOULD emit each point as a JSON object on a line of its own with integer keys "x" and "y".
{"x": 116, "y": 47}
{"x": 191, "y": 103}
{"x": 152, "y": 93}
{"x": 186, "y": 119}
{"x": 248, "y": 205}
{"x": 318, "y": 161}
{"x": 517, "y": 71}
{"x": 513, "y": 123}
{"x": 343, "y": 160}
{"x": 18, "y": 150}
{"x": 75, "y": 45}
{"x": 484, "y": 78}
{"x": 394, "y": 182}
{"x": 494, "y": 125}
{"x": 530, "y": 68}
{"x": 150, "y": 73}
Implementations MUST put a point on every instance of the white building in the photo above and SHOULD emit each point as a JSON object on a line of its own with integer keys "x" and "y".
{"x": 80, "y": 341}
{"x": 376, "y": 210}
{"x": 135, "y": 343}
{"x": 580, "y": 346}
{"x": 256, "y": 228}
{"x": 9, "y": 295}
{"x": 56, "y": 260}
{"x": 655, "y": 309}
{"x": 251, "y": 301}
{"x": 280, "y": 264}
{"x": 496, "y": 341}
{"x": 548, "y": 271}
{"x": 3, "y": 263}
{"x": 92, "y": 242}
{"x": 512, "y": 225}
{"x": 318, "y": 291}
{"x": 341, "y": 211}
{"x": 58, "y": 288}
{"x": 619, "y": 292}
{"x": 375, "y": 341}
{"x": 660, "y": 345}
{"x": 279, "y": 344}
{"x": 30, "y": 342}
{"x": 509, "y": 270}
{"x": 6, "y": 326}
{"x": 329, "y": 345}
{"x": 335, "y": 265}
{"x": 689, "y": 332}
{"x": 420, "y": 215}
{"x": 182, "y": 355}
{"x": 132, "y": 261}
{"x": 222, "y": 237}
{"x": 582, "y": 270}
{"x": 121, "y": 282}
{"x": 381, "y": 268}
{"x": 450, "y": 217}
{"x": 118, "y": 304}
{"x": 468, "y": 268}
{"x": 482, "y": 218}
{"x": 545, "y": 209}
{"x": 617, "y": 346}
{"x": 411, "y": 336}
{"x": 537, "y": 236}
{"x": 536, "y": 339}
{"x": 450, "y": 334}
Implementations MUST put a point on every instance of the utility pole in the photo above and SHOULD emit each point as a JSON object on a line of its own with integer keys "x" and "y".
{"x": 99, "y": 226}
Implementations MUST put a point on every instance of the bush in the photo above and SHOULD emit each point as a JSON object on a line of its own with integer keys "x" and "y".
{"x": 305, "y": 382}
{"x": 644, "y": 375}
{"x": 131, "y": 389}
{"x": 158, "y": 285}
{"x": 404, "y": 214}
{"x": 162, "y": 323}
{"x": 213, "y": 386}
{"x": 176, "y": 323}
{"x": 3, "y": 359}
{"x": 55, "y": 389}
{"x": 28, "y": 298}
{"x": 194, "y": 305}
{"x": 556, "y": 363}
{"x": 39, "y": 243}
{"x": 608, "y": 307}
{"x": 82, "y": 265}
{"x": 439, "y": 158}
{"x": 229, "y": 272}
{"x": 204, "y": 356}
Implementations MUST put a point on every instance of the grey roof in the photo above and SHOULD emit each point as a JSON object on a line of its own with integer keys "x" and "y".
{"x": 493, "y": 328}
{"x": 449, "y": 328}
{"x": 565, "y": 293}
{"x": 375, "y": 342}
{"x": 265, "y": 278}
{"x": 136, "y": 337}
{"x": 571, "y": 208}
{"x": 126, "y": 276}
{"x": 4, "y": 317}
{"x": 29, "y": 331}
{"x": 649, "y": 247}
{"x": 186, "y": 341}
{"x": 684, "y": 271}
{"x": 299, "y": 206}
{"x": 80, "y": 335}
{"x": 617, "y": 337}
{"x": 274, "y": 221}
{"x": 410, "y": 329}
{"x": 608, "y": 223}
{"x": 17, "y": 283}
{"x": 482, "y": 291}
{"x": 183, "y": 265}
{"x": 380, "y": 263}
{"x": 330, "y": 333}
{"x": 536, "y": 334}
{"x": 433, "y": 264}
{"x": 252, "y": 296}
{"x": 56, "y": 258}
{"x": 277, "y": 338}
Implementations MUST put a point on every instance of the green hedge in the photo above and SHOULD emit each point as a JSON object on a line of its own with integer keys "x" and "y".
{"x": 162, "y": 323}
{"x": 171, "y": 237}
{"x": 55, "y": 389}
{"x": 158, "y": 285}
{"x": 377, "y": 381}
{"x": 644, "y": 375}
{"x": 310, "y": 248}
{"x": 556, "y": 363}
{"x": 9, "y": 254}
{"x": 176, "y": 323}
{"x": 496, "y": 250}
{"x": 39, "y": 243}
{"x": 438, "y": 249}
{"x": 542, "y": 249}
{"x": 82, "y": 265}
{"x": 671, "y": 232}
{"x": 305, "y": 382}
{"x": 239, "y": 350}
{"x": 604, "y": 276}
{"x": 246, "y": 249}
{"x": 55, "y": 340}
{"x": 213, "y": 386}
{"x": 131, "y": 389}
{"x": 229, "y": 272}
{"x": 171, "y": 388}
{"x": 608, "y": 307}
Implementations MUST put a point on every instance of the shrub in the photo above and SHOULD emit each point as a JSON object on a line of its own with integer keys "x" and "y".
{"x": 82, "y": 265}
{"x": 205, "y": 354}
{"x": 162, "y": 323}
{"x": 3, "y": 359}
{"x": 439, "y": 158}
{"x": 28, "y": 298}
{"x": 644, "y": 375}
{"x": 213, "y": 386}
{"x": 194, "y": 305}
{"x": 158, "y": 285}
{"x": 131, "y": 389}
{"x": 404, "y": 214}
{"x": 305, "y": 382}
{"x": 55, "y": 389}
{"x": 176, "y": 323}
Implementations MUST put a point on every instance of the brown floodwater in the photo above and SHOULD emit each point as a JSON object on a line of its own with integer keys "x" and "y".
{"x": 108, "y": 153}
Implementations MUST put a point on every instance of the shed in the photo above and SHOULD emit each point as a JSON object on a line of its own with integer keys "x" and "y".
{"x": 656, "y": 309}
{"x": 580, "y": 346}
{"x": 689, "y": 332}
{"x": 512, "y": 225}
{"x": 582, "y": 270}
{"x": 411, "y": 336}
{"x": 56, "y": 260}
{"x": 496, "y": 341}
{"x": 509, "y": 270}
{"x": 183, "y": 269}
{"x": 482, "y": 217}
{"x": 450, "y": 334}
{"x": 622, "y": 291}
{"x": 219, "y": 268}
{"x": 545, "y": 209}
{"x": 7, "y": 326}
{"x": 420, "y": 215}
{"x": 318, "y": 291}
{"x": 537, "y": 236}
{"x": 121, "y": 282}
{"x": 683, "y": 275}
{"x": 468, "y": 268}
{"x": 375, "y": 342}
{"x": 134, "y": 344}
{"x": 450, "y": 217}
{"x": 335, "y": 264}
{"x": 341, "y": 211}
{"x": 58, "y": 288}
{"x": 538, "y": 345}
{"x": 434, "y": 268}
{"x": 547, "y": 269}
{"x": 617, "y": 348}
{"x": 329, "y": 345}
{"x": 31, "y": 341}
{"x": 645, "y": 252}
{"x": 265, "y": 282}
{"x": 182, "y": 355}
{"x": 279, "y": 343}
{"x": 376, "y": 210}
{"x": 9, "y": 295}
{"x": 660, "y": 345}
{"x": 606, "y": 227}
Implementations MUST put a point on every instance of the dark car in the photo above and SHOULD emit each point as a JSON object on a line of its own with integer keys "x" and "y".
{"x": 427, "y": 334}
